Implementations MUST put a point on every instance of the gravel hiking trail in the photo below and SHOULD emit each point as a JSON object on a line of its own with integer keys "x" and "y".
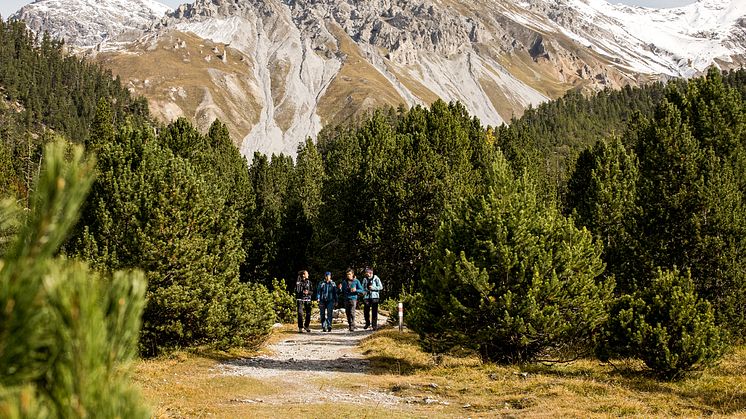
{"x": 317, "y": 357}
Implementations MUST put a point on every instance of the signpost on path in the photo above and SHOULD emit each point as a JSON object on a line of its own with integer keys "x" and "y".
{"x": 401, "y": 316}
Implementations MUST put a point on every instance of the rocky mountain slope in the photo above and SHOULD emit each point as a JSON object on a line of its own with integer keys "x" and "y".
{"x": 278, "y": 70}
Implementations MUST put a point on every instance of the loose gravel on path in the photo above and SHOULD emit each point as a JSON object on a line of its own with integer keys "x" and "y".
{"x": 302, "y": 357}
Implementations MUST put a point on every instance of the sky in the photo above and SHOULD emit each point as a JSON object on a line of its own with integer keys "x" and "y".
{"x": 8, "y": 7}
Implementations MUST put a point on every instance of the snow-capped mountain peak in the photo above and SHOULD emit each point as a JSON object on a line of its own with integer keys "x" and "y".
{"x": 678, "y": 41}
{"x": 87, "y": 23}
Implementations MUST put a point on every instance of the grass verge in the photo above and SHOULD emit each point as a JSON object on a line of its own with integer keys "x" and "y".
{"x": 585, "y": 388}
{"x": 190, "y": 384}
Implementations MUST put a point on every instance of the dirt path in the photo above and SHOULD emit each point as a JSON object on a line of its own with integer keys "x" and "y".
{"x": 303, "y": 358}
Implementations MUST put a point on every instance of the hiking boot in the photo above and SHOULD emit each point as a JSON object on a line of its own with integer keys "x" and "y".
{"x": 307, "y": 330}
{"x": 300, "y": 330}
{"x": 366, "y": 327}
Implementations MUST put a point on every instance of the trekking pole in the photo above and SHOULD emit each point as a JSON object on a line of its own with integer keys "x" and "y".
{"x": 401, "y": 316}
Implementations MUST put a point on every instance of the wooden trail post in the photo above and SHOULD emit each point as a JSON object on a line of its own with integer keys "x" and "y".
{"x": 401, "y": 316}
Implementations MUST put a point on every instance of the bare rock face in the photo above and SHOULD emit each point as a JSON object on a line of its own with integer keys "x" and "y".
{"x": 202, "y": 9}
{"x": 278, "y": 70}
{"x": 402, "y": 28}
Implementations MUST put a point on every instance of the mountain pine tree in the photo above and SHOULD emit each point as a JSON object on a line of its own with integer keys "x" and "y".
{"x": 102, "y": 128}
{"x": 389, "y": 180}
{"x": 342, "y": 215}
{"x": 692, "y": 198}
{"x": 270, "y": 180}
{"x": 173, "y": 217}
{"x": 602, "y": 195}
{"x": 67, "y": 334}
{"x": 511, "y": 278}
{"x": 666, "y": 325}
{"x": 300, "y": 225}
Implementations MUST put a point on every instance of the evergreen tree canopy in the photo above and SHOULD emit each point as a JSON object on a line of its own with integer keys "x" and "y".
{"x": 67, "y": 335}
{"x": 179, "y": 218}
{"x": 602, "y": 196}
{"x": 511, "y": 278}
{"x": 44, "y": 93}
{"x": 390, "y": 180}
{"x": 666, "y": 325}
{"x": 270, "y": 179}
{"x": 691, "y": 193}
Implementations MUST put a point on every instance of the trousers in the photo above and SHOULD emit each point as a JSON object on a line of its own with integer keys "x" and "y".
{"x": 369, "y": 304}
{"x": 350, "y": 308}
{"x": 304, "y": 307}
{"x": 326, "y": 310}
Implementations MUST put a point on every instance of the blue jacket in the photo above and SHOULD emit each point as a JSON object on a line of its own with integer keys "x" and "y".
{"x": 326, "y": 292}
{"x": 376, "y": 287}
{"x": 347, "y": 286}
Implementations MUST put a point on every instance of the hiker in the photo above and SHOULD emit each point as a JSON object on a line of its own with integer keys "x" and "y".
{"x": 303, "y": 295}
{"x": 326, "y": 294}
{"x": 372, "y": 286}
{"x": 350, "y": 289}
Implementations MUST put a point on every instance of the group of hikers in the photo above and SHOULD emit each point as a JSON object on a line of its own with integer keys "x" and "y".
{"x": 343, "y": 295}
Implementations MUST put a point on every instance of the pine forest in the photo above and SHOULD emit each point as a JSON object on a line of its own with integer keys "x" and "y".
{"x": 607, "y": 226}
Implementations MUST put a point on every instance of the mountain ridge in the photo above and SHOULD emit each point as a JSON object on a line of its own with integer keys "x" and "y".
{"x": 282, "y": 69}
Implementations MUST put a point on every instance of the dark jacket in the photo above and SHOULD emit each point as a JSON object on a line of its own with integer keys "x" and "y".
{"x": 326, "y": 292}
{"x": 303, "y": 285}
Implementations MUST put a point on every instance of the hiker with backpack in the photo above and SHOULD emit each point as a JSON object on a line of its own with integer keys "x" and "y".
{"x": 326, "y": 294}
{"x": 372, "y": 287}
{"x": 303, "y": 296}
{"x": 350, "y": 289}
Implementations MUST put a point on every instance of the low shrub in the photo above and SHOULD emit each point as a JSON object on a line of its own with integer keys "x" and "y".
{"x": 251, "y": 313}
{"x": 666, "y": 326}
{"x": 283, "y": 302}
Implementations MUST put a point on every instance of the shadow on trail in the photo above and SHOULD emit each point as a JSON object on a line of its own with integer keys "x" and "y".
{"x": 321, "y": 342}
{"x": 314, "y": 352}
{"x": 319, "y": 365}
